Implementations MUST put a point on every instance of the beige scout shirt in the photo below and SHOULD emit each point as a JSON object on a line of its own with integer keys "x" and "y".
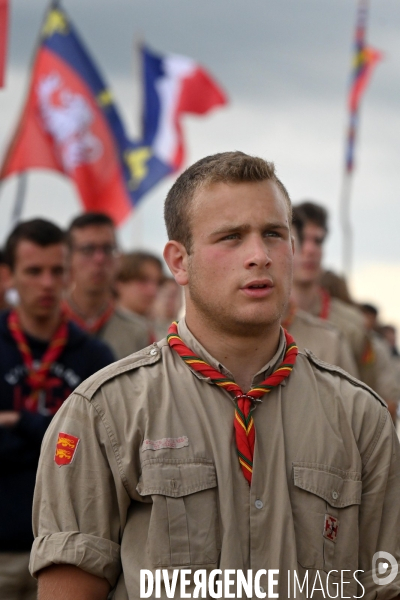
{"x": 379, "y": 372}
{"x": 125, "y": 333}
{"x": 349, "y": 321}
{"x": 323, "y": 339}
{"x": 155, "y": 481}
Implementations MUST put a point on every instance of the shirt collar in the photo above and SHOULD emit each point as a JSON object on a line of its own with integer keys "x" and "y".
{"x": 199, "y": 350}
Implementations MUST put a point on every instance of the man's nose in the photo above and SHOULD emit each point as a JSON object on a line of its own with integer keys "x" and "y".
{"x": 257, "y": 252}
{"x": 48, "y": 279}
{"x": 309, "y": 247}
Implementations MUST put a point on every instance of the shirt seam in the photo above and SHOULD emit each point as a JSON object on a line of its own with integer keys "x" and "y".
{"x": 376, "y": 439}
{"x": 112, "y": 440}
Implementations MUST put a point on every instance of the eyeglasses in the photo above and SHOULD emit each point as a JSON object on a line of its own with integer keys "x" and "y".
{"x": 89, "y": 250}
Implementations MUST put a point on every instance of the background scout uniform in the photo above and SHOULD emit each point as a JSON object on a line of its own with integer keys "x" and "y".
{"x": 322, "y": 338}
{"x": 125, "y": 333}
{"x": 76, "y": 357}
{"x": 155, "y": 481}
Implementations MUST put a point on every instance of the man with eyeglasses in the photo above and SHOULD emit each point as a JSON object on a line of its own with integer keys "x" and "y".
{"x": 90, "y": 301}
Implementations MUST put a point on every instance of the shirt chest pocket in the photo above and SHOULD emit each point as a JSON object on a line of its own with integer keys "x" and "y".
{"x": 184, "y": 526}
{"x": 325, "y": 504}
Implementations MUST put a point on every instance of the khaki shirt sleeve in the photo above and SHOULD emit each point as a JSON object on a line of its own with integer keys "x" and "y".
{"x": 79, "y": 508}
{"x": 379, "y": 523}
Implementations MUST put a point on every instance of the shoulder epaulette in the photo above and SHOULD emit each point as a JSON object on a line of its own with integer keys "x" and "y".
{"x": 338, "y": 371}
{"x": 143, "y": 358}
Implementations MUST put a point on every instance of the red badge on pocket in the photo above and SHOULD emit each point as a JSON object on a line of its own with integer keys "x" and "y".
{"x": 65, "y": 448}
{"x": 331, "y": 528}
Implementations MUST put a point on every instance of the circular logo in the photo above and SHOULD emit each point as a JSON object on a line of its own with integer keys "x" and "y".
{"x": 381, "y": 568}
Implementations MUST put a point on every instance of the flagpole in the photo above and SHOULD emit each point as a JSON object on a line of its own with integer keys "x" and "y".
{"x": 347, "y": 230}
{"x": 19, "y": 198}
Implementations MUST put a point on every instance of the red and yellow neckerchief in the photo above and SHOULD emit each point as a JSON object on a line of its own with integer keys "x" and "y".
{"x": 37, "y": 378}
{"x": 243, "y": 421}
{"x": 92, "y": 326}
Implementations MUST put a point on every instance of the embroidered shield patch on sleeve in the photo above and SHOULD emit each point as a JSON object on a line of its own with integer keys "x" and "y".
{"x": 331, "y": 527}
{"x": 65, "y": 448}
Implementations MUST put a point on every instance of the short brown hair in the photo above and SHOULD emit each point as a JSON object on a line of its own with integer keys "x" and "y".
{"x": 130, "y": 265}
{"x": 309, "y": 212}
{"x": 88, "y": 219}
{"x": 225, "y": 167}
{"x": 38, "y": 231}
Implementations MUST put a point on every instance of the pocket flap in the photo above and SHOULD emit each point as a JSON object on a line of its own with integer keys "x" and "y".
{"x": 176, "y": 478}
{"x": 339, "y": 488}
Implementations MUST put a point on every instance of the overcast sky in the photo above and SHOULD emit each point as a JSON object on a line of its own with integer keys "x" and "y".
{"x": 285, "y": 66}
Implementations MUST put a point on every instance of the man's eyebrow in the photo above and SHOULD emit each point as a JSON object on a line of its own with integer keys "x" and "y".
{"x": 244, "y": 227}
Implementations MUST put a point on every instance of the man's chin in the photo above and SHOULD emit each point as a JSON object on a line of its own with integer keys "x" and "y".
{"x": 45, "y": 313}
{"x": 255, "y": 325}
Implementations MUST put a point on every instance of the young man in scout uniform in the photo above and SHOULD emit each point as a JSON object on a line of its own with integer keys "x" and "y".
{"x": 90, "y": 302}
{"x": 220, "y": 447}
{"x": 43, "y": 358}
{"x": 310, "y": 229}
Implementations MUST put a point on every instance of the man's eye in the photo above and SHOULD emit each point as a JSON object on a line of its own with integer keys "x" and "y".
{"x": 231, "y": 236}
{"x": 272, "y": 234}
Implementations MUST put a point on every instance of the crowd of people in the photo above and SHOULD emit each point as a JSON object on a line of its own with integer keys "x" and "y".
{"x": 78, "y": 304}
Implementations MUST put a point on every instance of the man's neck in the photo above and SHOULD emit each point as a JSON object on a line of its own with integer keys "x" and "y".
{"x": 243, "y": 356}
{"x": 40, "y": 328}
{"x": 89, "y": 304}
{"x": 306, "y": 296}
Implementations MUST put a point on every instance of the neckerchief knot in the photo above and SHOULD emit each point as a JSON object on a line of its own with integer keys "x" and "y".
{"x": 243, "y": 421}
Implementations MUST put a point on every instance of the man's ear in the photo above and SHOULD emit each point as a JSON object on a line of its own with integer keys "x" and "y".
{"x": 176, "y": 257}
{"x": 6, "y": 276}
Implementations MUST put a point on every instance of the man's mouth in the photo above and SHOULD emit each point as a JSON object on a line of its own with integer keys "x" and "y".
{"x": 258, "y": 289}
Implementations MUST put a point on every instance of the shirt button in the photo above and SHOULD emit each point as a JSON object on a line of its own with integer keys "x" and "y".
{"x": 153, "y": 352}
{"x": 258, "y": 504}
{"x": 335, "y": 495}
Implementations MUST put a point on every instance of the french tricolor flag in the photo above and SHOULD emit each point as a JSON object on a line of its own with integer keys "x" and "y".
{"x": 174, "y": 85}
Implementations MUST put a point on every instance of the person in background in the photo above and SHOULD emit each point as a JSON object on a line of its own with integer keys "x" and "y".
{"x": 167, "y": 306}
{"x": 89, "y": 301}
{"x": 389, "y": 333}
{"x": 3, "y": 282}
{"x": 370, "y": 313}
{"x": 320, "y": 336}
{"x": 43, "y": 358}
{"x": 138, "y": 281}
{"x": 336, "y": 286}
{"x": 379, "y": 366}
{"x": 310, "y": 223}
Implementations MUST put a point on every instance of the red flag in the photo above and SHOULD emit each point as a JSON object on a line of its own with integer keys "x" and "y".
{"x": 3, "y": 38}
{"x": 70, "y": 123}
